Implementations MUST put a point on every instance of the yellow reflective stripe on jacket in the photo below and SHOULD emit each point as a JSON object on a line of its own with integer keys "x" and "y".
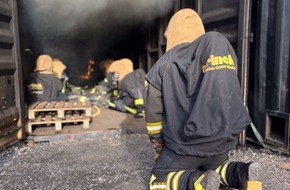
{"x": 63, "y": 87}
{"x": 75, "y": 89}
{"x": 154, "y": 128}
{"x": 35, "y": 86}
{"x": 93, "y": 91}
{"x": 83, "y": 98}
{"x": 115, "y": 92}
{"x": 112, "y": 105}
{"x": 139, "y": 102}
{"x": 130, "y": 110}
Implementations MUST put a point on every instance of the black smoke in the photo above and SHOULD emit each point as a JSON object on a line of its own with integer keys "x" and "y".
{"x": 77, "y": 30}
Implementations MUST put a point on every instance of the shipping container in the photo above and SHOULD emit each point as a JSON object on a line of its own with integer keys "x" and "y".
{"x": 11, "y": 79}
{"x": 78, "y": 31}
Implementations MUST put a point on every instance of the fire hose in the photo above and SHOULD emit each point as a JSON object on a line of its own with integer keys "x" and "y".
{"x": 97, "y": 111}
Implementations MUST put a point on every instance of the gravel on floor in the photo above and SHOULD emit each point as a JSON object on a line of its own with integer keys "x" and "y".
{"x": 121, "y": 163}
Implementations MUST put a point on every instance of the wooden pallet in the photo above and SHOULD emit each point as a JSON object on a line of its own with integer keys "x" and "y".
{"x": 58, "y": 113}
{"x": 49, "y": 119}
{"x": 59, "y": 108}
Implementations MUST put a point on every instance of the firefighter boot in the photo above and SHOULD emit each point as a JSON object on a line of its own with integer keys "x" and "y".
{"x": 209, "y": 180}
{"x": 240, "y": 175}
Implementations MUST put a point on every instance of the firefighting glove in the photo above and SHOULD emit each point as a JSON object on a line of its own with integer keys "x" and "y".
{"x": 158, "y": 146}
{"x": 139, "y": 104}
{"x": 139, "y": 112}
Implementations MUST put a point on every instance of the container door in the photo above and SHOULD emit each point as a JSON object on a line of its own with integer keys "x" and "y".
{"x": 10, "y": 79}
{"x": 269, "y": 97}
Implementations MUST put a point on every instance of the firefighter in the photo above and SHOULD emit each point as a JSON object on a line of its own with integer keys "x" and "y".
{"x": 105, "y": 64}
{"x": 126, "y": 86}
{"x": 43, "y": 85}
{"x": 114, "y": 71}
{"x": 58, "y": 69}
{"x": 194, "y": 111}
{"x": 128, "y": 95}
{"x": 122, "y": 66}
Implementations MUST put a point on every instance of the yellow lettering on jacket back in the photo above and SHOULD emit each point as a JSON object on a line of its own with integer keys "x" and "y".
{"x": 219, "y": 62}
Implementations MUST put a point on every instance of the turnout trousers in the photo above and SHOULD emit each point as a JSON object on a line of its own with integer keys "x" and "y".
{"x": 179, "y": 172}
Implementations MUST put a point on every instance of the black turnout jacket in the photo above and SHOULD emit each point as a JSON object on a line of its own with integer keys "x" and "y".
{"x": 194, "y": 98}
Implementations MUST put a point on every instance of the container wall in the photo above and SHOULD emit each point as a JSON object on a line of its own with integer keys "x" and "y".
{"x": 10, "y": 101}
{"x": 269, "y": 71}
{"x": 225, "y": 16}
{"x": 156, "y": 44}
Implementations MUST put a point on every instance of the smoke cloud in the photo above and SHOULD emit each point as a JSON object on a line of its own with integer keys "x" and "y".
{"x": 70, "y": 29}
{"x": 76, "y": 11}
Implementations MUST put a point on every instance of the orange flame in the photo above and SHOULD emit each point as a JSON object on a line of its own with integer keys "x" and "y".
{"x": 90, "y": 70}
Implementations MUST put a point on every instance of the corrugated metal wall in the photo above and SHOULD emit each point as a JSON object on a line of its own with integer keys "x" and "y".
{"x": 10, "y": 92}
{"x": 270, "y": 71}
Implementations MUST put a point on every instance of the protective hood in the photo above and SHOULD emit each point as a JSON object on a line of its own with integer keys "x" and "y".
{"x": 184, "y": 26}
{"x": 123, "y": 67}
{"x": 58, "y": 68}
{"x": 44, "y": 64}
{"x": 105, "y": 64}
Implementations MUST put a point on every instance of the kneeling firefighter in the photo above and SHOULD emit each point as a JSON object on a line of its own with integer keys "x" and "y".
{"x": 43, "y": 85}
{"x": 128, "y": 95}
{"x": 58, "y": 69}
{"x": 195, "y": 112}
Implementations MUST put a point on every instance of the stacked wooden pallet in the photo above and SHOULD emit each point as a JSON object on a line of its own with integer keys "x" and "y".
{"x": 59, "y": 113}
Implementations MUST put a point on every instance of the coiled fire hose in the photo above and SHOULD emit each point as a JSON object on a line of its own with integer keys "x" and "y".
{"x": 97, "y": 111}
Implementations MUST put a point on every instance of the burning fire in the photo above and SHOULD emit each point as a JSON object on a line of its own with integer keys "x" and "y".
{"x": 90, "y": 70}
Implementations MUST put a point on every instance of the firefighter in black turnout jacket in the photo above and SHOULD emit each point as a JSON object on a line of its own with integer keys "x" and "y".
{"x": 194, "y": 111}
{"x": 43, "y": 85}
{"x": 128, "y": 94}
